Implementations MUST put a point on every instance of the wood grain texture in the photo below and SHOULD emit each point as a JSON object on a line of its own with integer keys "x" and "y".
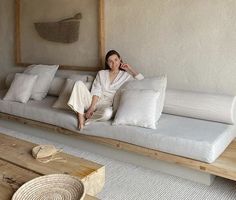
{"x": 17, "y": 32}
{"x": 101, "y": 28}
{"x": 12, "y": 177}
{"x": 224, "y": 166}
{"x": 18, "y": 153}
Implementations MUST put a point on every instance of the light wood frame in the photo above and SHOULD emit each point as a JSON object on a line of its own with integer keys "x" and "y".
{"x": 101, "y": 41}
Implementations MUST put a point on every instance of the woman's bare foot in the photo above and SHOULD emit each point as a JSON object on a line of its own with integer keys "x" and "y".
{"x": 81, "y": 121}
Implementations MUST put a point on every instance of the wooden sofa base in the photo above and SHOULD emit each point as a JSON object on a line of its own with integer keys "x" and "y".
{"x": 224, "y": 166}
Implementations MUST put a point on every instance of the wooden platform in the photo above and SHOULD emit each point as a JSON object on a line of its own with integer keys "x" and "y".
{"x": 17, "y": 166}
{"x": 224, "y": 166}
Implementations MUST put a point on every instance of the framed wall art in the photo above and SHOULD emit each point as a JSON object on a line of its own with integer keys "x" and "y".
{"x": 65, "y": 32}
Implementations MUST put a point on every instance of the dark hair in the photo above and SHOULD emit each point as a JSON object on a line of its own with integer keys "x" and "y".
{"x": 110, "y": 53}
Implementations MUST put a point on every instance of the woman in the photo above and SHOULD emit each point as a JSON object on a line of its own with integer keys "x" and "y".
{"x": 97, "y": 105}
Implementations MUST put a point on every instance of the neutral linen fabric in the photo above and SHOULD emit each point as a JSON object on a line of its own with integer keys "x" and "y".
{"x": 66, "y": 92}
{"x": 56, "y": 86}
{"x": 81, "y": 99}
{"x": 103, "y": 88}
{"x": 21, "y": 88}
{"x": 192, "y": 138}
{"x": 64, "y": 96}
{"x": 152, "y": 83}
{"x": 57, "y": 82}
{"x": 188, "y": 137}
{"x": 82, "y": 77}
{"x": 9, "y": 79}
{"x": 45, "y": 76}
{"x": 220, "y": 108}
{"x": 137, "y": 108}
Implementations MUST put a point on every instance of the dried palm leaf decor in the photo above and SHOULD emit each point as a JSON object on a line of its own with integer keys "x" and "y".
{"x": 63, "y": 31}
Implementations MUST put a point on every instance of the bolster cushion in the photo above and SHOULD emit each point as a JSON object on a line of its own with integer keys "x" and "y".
{"x": 212, "y": 107}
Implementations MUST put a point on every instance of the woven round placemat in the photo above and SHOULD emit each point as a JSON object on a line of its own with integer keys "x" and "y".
{"x": 53, "y": 187}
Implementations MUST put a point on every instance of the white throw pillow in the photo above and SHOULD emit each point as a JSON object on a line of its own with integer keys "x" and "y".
{"x": 45, "y": 76}
{"x": 152, "y": 83}
{"x": 137, "y": 108}
{"x": 65, "y": 93}
{"x": 21, "y": 88}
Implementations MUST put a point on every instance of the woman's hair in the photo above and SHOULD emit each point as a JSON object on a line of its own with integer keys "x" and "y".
{"x": 110, "y": 53}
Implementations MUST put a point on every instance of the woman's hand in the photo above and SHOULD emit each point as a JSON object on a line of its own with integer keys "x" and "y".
{"x": 125, "y": 67}
{"x": 128, "y": 69}
{"x": 89, "y": 112}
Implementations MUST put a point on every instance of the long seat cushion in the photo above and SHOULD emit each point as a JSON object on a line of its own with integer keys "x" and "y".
{"x": 192, "y": 138}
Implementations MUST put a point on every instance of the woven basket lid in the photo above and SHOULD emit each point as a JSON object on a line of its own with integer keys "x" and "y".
{"x": 53, "y": 187}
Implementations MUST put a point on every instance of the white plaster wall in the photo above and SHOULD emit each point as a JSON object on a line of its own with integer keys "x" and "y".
{"x": 6, "y": 39}
{"x": 192, "y": 41}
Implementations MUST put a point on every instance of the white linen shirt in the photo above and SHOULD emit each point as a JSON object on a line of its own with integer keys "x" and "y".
{"x": 105, "y": 90}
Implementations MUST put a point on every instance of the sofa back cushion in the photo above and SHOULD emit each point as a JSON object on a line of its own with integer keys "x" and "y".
{"x": 21, "y": 88}
{"x": 45, "y": 75}
{"x": 58, "y": 82}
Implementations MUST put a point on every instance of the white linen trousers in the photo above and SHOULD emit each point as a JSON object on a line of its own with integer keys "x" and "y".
{"x": 81, "y": 99}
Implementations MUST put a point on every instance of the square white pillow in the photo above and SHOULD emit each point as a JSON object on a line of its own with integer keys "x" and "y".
{"x": 157, "y": 83}
{"x": 65, "y": 93}
{"x": 21, "y": 88}
{"x": 45, "y": 76}
{"x": 137, "y": 108}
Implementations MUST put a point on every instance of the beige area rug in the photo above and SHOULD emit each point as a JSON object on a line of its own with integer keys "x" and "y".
{"x": 129, "y": 182}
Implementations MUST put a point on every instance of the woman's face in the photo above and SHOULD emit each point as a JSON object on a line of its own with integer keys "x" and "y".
{"x": 114, "y": 62}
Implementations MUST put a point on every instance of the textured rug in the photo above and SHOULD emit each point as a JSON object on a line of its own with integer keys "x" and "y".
{"x": 129, "y": 182}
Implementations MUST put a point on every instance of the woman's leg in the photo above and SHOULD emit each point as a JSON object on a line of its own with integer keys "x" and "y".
{"x": 101, "y": 114}
{"x": 79, "y": 101}
{"x": 81, "y": 121}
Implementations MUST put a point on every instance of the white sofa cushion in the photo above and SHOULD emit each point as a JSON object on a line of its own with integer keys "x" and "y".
{"x": 137, "y": 108}
{"x": 153, "y": 83}
{"x": 21, "y": 88}
{"x": 45, "y": 76}
{"x": 213, "y": 107}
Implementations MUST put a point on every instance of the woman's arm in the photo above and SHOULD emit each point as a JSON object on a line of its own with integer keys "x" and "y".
{"x": 90, "y": 111}
{"x": 131, "y": 71}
